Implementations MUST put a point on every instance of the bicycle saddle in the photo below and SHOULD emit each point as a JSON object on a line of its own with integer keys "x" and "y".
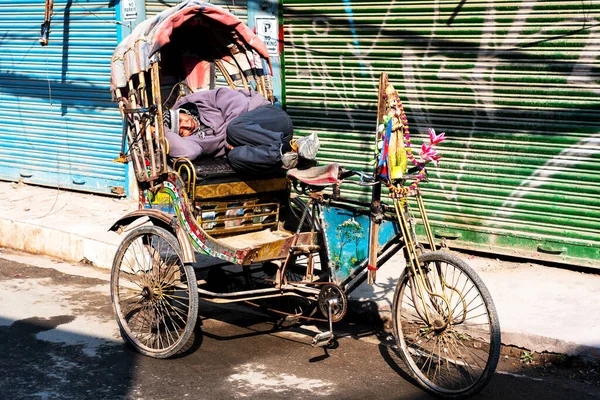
{"x": 316, "y": 176}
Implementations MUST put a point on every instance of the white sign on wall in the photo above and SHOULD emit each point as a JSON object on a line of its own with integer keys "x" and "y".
{"x": 129, "y": 10}
{"x": 267, "y": 31}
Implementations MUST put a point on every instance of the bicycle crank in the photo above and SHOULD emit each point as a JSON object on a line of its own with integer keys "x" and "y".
{"x": 332, "y": 291}
{"x": 333, "y": 303}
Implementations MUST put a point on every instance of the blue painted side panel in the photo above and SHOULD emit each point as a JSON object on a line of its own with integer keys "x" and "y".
{"x": 348, "y": 237}
{"x": 58, "y": 125}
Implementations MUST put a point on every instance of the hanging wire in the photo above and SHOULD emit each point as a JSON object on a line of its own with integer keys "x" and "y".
{"x": 115, "y": 22}
{"x": 89, "y": 12}
{"x": 57, "y": 161}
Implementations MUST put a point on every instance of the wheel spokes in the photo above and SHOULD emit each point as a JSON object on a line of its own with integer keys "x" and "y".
{"x": 153, "y": 294}
{"x": 453, "y": 358}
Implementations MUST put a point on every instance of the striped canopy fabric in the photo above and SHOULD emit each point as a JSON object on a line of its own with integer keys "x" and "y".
{"x": 203, "y": 27}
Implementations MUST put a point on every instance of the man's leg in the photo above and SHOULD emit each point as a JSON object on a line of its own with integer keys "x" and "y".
{"x": 259, "y": 138}
{"x": 264, "y": 125}
{"x": 262, "y": 158}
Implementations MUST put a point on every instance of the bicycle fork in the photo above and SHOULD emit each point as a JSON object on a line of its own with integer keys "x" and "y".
{"x": 420, "y": 285}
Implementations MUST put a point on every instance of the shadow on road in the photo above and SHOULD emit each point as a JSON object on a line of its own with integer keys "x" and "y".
{"x": 36, "y": 368}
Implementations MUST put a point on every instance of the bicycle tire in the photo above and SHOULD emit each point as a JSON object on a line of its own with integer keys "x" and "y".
{"x": 154, "y": 294}
{"x": 457, "y": 360}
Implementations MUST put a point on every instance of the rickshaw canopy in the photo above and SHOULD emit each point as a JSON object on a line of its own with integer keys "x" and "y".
{"x": 209, "y": 31}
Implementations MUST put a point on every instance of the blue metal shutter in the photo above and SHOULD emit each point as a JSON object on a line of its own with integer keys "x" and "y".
{"x": 58, "y": 125}
{"x": 514, "y": 84}
{"x": 236, "y": 7}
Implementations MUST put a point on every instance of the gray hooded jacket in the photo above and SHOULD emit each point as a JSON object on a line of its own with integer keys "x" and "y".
{"x": 217, "y": 108}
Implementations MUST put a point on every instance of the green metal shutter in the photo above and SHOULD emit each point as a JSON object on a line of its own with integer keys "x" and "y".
{"x": 237, "y": 8}
{"x": 58, "y": 125}
{"x": 513, "y": 84}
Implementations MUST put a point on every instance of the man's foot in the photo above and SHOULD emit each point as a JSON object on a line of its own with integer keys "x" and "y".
{"x": 289, "y": 160}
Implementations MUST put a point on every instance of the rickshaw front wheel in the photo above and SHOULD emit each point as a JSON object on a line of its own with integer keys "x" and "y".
{"x": 446, "y": 326}
{"x": 154, "y": 294}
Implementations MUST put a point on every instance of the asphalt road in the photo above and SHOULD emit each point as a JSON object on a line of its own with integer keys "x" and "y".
{"x": 59, "y": 340}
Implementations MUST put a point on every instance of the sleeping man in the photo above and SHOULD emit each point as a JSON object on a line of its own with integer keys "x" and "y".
{"x": 254, "y": 134}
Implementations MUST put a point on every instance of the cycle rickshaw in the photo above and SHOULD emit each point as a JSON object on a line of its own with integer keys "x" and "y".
{"x": 294, "y": 235}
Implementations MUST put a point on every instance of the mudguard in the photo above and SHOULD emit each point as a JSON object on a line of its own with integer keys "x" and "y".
{"x": 156, "y": 217}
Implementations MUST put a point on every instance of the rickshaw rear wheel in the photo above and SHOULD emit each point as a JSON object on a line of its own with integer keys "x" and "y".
{"x": 154, "y": 294}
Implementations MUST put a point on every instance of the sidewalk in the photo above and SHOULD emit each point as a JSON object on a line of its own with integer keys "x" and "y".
{"x": 64, "y": 224}
{"x": 540, "y": 308}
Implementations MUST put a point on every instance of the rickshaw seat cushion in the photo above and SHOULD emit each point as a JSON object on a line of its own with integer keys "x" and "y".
{"x": 219, "y": 170}
{"x": 213, "y": 168}
{"x": 215, "y": 178}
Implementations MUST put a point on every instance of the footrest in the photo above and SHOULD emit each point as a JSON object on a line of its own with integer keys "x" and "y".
{"x": 309, "y": 248}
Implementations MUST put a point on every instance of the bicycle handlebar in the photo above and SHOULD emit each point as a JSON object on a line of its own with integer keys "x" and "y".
{"x": 365, "y": 179}
{"x": 370, "y": 180}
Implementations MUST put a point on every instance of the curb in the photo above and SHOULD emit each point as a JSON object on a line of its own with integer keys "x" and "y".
{"x": 37, "y": 239}
{"x": 380, "y": 313}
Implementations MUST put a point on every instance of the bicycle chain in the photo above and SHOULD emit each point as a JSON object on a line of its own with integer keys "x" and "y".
{"x": 296, "y": 315}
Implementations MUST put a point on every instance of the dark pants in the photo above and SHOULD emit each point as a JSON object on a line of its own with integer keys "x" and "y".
{"x": 259, "y": 138}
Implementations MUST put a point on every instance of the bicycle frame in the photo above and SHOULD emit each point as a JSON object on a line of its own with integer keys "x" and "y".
{"x": 391, "y": 228}
{"x": 343, "y": 222}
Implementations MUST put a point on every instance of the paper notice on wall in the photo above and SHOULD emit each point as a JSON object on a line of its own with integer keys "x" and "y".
{"x": 129, "y": 10}
{"x": 267, "y": 31}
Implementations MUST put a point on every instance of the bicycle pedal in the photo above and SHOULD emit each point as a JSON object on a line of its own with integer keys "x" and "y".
{"x": 322, "y": 339}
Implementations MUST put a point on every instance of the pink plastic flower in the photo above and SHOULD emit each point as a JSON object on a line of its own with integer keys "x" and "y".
{"x": 427, "y": 152}
{"x": 435, "y": 139}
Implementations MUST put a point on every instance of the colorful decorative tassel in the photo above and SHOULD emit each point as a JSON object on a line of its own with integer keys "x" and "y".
{"x": 427, "y": 154}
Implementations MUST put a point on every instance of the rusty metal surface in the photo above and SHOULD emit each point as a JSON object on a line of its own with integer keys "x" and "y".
{"x": 280, "y": 249}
